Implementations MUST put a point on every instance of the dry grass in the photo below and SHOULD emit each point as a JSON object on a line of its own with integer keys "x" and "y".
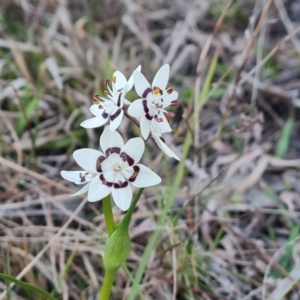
{"x": 232, "y": 230}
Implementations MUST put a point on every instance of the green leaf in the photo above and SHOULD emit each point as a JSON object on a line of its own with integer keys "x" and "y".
{"x": 285, "y": 138}
{"x": 27, "y": 286}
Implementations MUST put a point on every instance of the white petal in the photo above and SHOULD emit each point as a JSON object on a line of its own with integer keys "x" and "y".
{"x": 117, "y": 121}
{"x": 141, "y": 84}
{"x": 136, "y": 109}
{"x": 163, "y": 126}
{"x": 120, "y": 80}
{"x": 122, "y": 197}
{"x": 94, "y": 122}
{"x": 162, "y": 77}
{"x": 97, "y": 190}
{"x": 76, "y": 176}
{"x": 87, "y": 158}
{"x": 168, "y": 98}
{"x": 109, "y": 139}
{"x": 164, "y": 147}
{"x": 145, "y": 127}
{"x": 130, "y": 81}
{"x": 145, "y": 178}
{"x": 81, "y": 191}
{"x": 134, "y": 148}
{"x": 95, "y": 110}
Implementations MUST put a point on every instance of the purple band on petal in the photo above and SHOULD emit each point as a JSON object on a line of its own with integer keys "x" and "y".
{"x": 99, "y": 160}
{"x": 112, "y": 150}
{"x": 120, "y": 184}
{"x": 136, "y": 170}
{"x": 112, "y": 117}
{"x": 105, "y": 115}
{"x": 119, "y": 100}
{"x": 126, "y": 157}
{"x": 146, "y": 92}
{"x": 107, "y": 183}
{"x": 146, "y": 110}
{"x": 82, "y": 177}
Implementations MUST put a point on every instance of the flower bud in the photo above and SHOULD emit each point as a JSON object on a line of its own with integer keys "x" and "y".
{"x": 117, "y": 248}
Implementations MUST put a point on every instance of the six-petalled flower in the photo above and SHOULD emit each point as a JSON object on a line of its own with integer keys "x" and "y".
{"x": 112, "y": 171}
{"x": 110, "y": 107}
{"x": 150, "y": 108}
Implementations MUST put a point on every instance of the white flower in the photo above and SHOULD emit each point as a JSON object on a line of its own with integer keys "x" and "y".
{"x": 113, "y": 170}
{"x": 111, "y": 106}
{"x": 154, "y": 99}
{"x": 156, "y": 133}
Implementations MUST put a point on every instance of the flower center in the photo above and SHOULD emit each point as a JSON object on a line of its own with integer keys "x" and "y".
{"x": 116, "y": 167}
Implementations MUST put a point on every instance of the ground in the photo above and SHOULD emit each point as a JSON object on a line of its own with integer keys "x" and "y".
{"x": 224, "y": 223}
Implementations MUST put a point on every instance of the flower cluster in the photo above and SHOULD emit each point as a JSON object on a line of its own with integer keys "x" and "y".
{"x": 116, "y": 168}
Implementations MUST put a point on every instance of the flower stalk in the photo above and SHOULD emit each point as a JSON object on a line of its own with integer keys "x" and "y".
{"x": 117, "y": 249}
{"x": 108, "y": 215}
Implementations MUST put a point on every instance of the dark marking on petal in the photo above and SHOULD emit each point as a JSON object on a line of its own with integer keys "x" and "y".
{"x": 115, "y": 115}
{"x": 126, "y": 157}
{"x": 157, "y": 90}
{"x": 99, "y": 160}
{"x": 112, "y": 150}
{"x": 105, "y": 182}
{"x": 146, "y": 110}
{"x": 148, "y": 117}
{"x": 120, "y": 184}
{"x": 119, "y": 100}
{"x": 82, "y": 177}
{"x": 146, "y": 92}
{"x": 136, "y": 170}
{"x": 162, "y": 139}
{"x": 105, "y": 115}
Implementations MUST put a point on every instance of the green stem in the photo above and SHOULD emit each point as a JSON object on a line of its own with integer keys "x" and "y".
{"x": 112, "y": 258}
{"x": 109, "y": 219}
{"x": 127, "y": 217}
{"x": 107, "y": 283}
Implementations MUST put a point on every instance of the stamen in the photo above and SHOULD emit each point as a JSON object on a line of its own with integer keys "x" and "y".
{"x": 175, "y": 131}
{"x": 107, "y": 81}
{"x": 159, "y": 120}
{"x": 116, "y": 167}
{"x": 106, "y": 92}
{"x": 114, "y": 79}
{"x": 170, "y": 115}
{"x": 157, "y": 90}
{"x": 96, "y": 99}
{"x": 174, "y": 103}
{"x": 169, "y": 90}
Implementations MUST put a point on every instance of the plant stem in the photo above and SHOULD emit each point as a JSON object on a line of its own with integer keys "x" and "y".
{"x": 107, "y": 283}
{"x": 109, "y": 219}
